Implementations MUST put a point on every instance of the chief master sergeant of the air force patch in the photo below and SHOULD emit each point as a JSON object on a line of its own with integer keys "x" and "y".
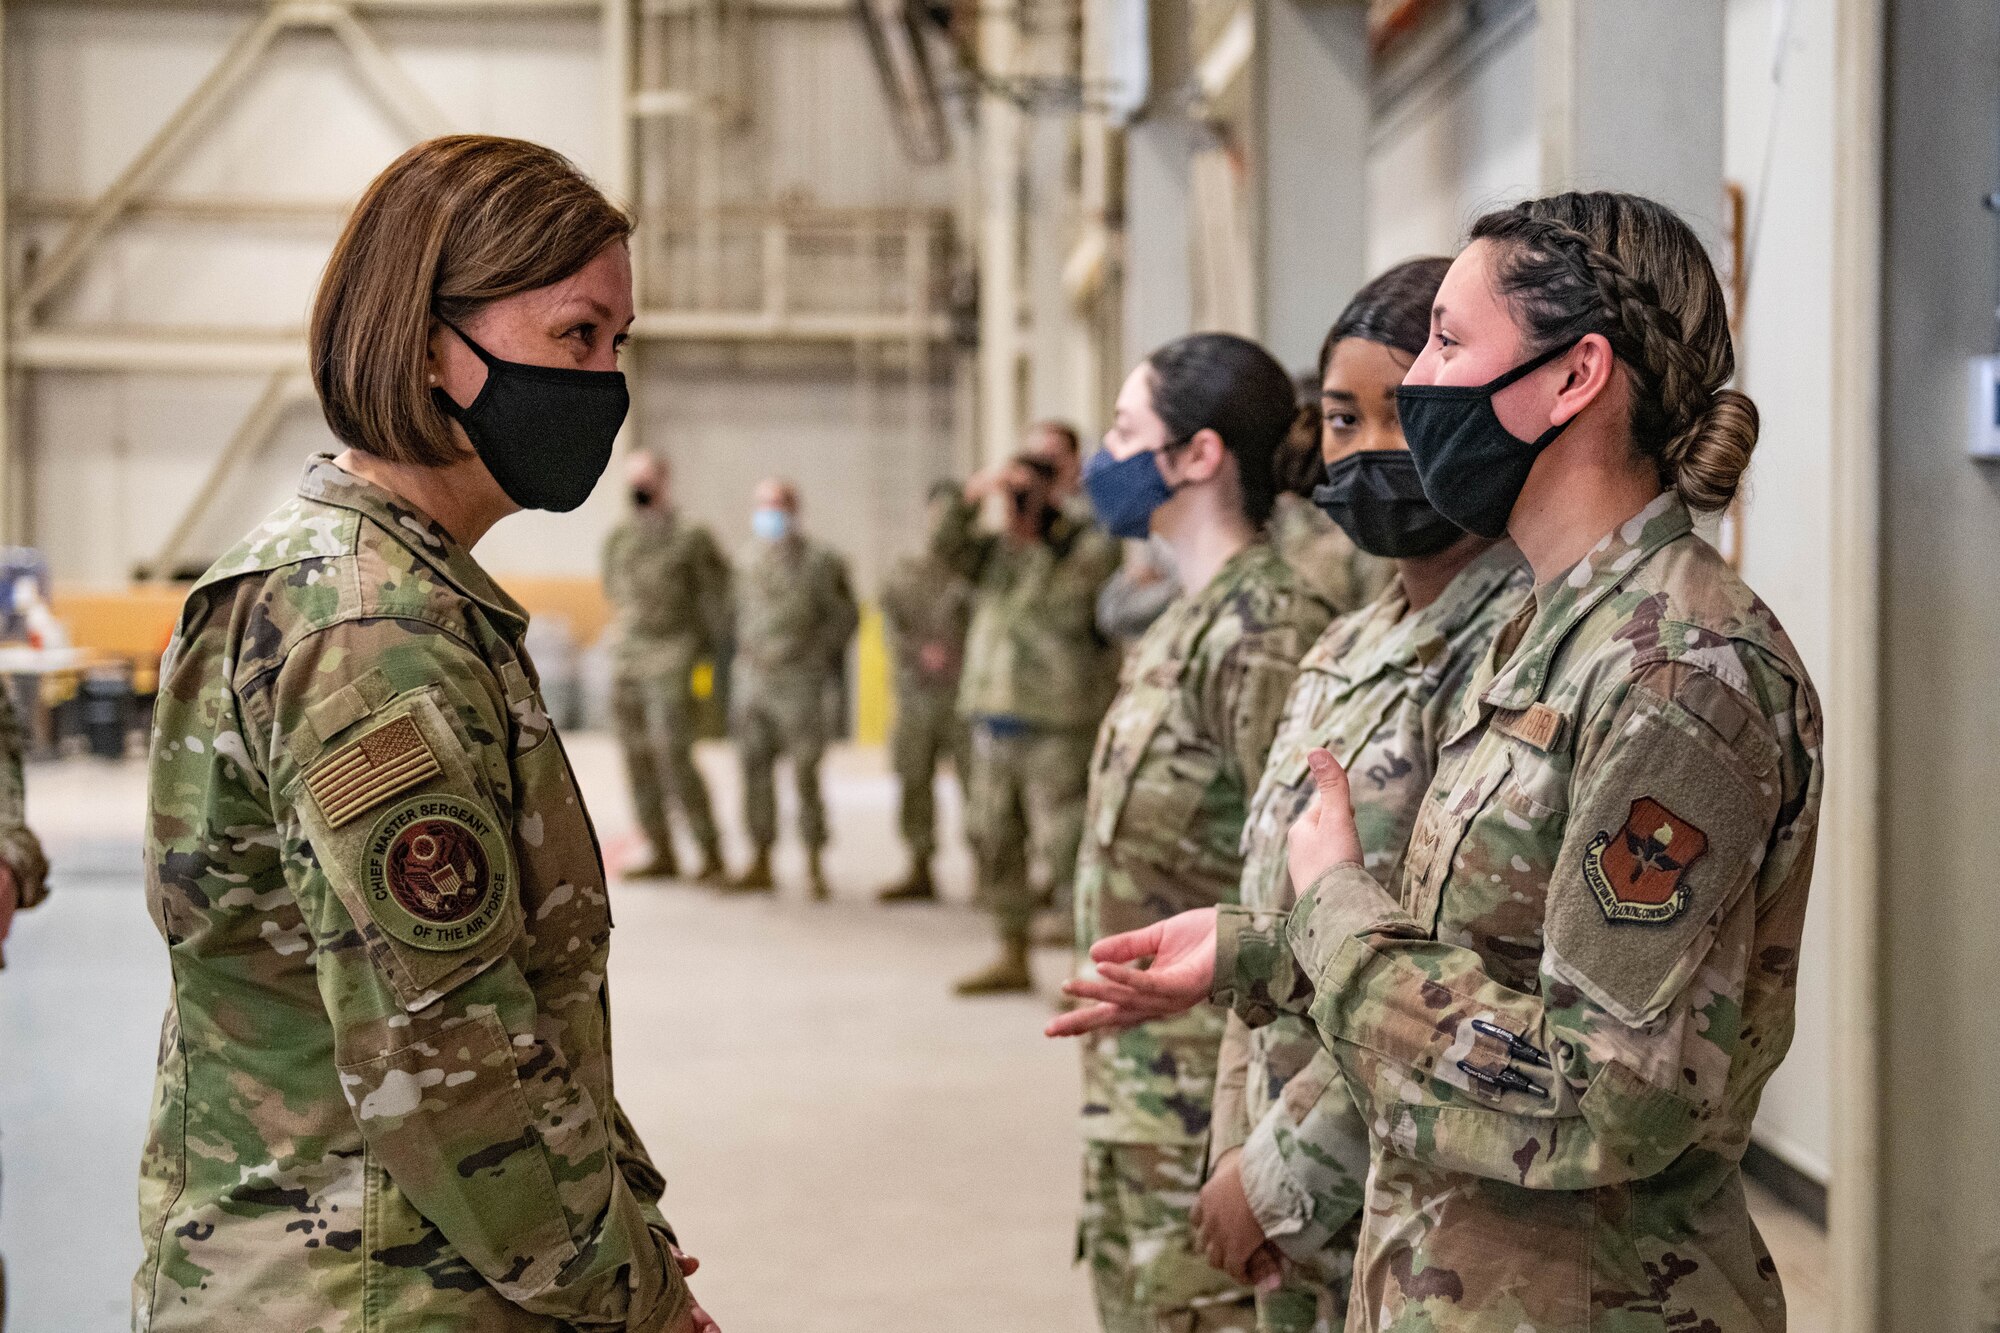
{"x": 436, "y": 872}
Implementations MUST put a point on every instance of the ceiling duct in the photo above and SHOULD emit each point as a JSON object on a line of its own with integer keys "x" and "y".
{"x": 897, "y": 44}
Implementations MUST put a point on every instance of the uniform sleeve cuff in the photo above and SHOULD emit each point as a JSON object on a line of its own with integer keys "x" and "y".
{"x": 674, "y": 1299}
{"x": 1342, "y": 903}
{"x": 1276, "y": 1201}
{"x": 1254, "y": 972}
{"x": 1224, "y": 1139}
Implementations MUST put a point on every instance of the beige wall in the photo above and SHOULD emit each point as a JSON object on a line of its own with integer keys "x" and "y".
{"x": 1437, "y": 164}
{"x": 1940, "y": 815}
{"x": 118, "y": 456}
{"x": 1784, "y": 124}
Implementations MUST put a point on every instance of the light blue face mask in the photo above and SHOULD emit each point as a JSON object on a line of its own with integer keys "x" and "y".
{"x": 771, "y": 525}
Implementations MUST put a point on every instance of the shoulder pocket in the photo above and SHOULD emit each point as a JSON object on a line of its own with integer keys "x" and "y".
{"x": 412, "y": 843}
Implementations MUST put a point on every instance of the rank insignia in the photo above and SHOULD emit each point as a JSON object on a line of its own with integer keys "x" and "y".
{"x": 438, "y": 873}
{"x": 1640, "y": 872}
{"x": 388, "y": 759}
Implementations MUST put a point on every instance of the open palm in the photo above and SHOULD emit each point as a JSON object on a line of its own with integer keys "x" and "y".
{"x": 1182, "y": 950}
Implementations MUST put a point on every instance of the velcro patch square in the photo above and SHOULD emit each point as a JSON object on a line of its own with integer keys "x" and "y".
{"x": 388, "y": 759}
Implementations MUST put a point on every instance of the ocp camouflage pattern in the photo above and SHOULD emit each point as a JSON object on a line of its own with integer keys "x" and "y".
{"x": 926, "y": 605}
{"x": 669, "y": 588}
{"x": 1176, "y": 760}
{"x": 20, "y": 850}
{"x": 1559, "y": 1095}
{"x": 1377, "y": 690}
{"x": 795, "y": 614}
{"x": 1033, "y": 652}
{"x": 795, "y": 610}
{"x": 1326, "y": 560}
{"x": 350, "y": 1131}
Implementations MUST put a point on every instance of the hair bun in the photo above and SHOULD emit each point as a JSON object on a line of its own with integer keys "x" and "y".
{"x": 1708, "y": 461}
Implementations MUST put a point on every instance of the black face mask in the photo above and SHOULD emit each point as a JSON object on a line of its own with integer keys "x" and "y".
{"x": 544, "y": 432}
{"x": 1377, "y": 498}
{"x": 1473, "y": 469}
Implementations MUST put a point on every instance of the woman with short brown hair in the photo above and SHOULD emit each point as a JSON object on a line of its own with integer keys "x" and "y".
{"x": 385, "y": 1077}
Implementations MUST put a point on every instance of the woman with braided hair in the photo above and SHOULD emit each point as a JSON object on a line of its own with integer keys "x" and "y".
{"x": 1559, "y": 1016}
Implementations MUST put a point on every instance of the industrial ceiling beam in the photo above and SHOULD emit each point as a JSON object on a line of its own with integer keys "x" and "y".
{"x": 176, "y": 133}
{"x": 285, "y": 389}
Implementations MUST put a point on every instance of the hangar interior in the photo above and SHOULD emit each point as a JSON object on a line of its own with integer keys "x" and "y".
{"x": 875, "y": 241}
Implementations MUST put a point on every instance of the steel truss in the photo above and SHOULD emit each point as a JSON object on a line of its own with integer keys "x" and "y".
{"x": 872, "y": 280}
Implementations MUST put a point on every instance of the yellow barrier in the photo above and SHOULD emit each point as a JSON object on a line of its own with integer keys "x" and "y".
{"x": 135, "y": 623}
{"x": 874, "y": 701}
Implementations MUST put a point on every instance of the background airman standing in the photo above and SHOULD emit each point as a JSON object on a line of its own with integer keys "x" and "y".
{"x": 1039, "y": 677}
{"x": 927, "y": 607}
{"x": 669, "y": 589}
{"x": 23, "y": 869}
{"x": 795, "y": 616}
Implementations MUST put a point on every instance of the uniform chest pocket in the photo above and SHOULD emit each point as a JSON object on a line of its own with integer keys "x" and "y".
{"x": 1443, "y": 830}
{"x": 1490, "y": 883}
{"x": 1149, "y": 776}
{"x": 562, "y": 863}
{"x": 525, "y": 713}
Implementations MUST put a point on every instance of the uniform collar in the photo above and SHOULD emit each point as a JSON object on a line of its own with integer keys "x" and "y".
{"x": 1411, "y": 643}
{"x": 417, "y": 532}
{"x": 1562, "y": 603}
{"x": 1195, "y": 611}
{"x": 787, "y": 550}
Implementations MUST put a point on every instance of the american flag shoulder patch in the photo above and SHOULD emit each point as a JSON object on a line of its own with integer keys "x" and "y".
{"x": 385, "y": 760}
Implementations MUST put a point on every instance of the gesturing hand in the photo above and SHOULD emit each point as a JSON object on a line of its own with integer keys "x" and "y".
{"x": 1183, "y": 952}
{"x": 1324, "y": 835}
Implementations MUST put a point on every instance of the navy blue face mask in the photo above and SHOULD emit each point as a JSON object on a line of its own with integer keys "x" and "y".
{"x": 1126, "y": 491}
{"x": 1472, "y": 467}
{"x": 544, "y": 432}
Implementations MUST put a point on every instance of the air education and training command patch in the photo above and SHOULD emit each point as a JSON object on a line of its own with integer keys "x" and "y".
{"x": 1640, "y": 872}
{"x": 437, "y": 872}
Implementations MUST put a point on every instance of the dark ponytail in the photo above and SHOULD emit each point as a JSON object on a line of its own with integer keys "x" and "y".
{"x": 1230, "y": 385}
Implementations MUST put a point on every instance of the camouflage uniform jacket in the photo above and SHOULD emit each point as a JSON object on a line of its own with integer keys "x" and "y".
{"x": 1033, "y": 652}
{"x": 1559, "y": 1027}
{"x": 1177, "y": 757}
{"x": 20, "y": 851}
{"x": 384, "y": 1096}
{"x": 668, "y": 584}
{"x": 924, "y": 601}
{"x": 1378, "y": 690}
{"x": 795, "y": 611}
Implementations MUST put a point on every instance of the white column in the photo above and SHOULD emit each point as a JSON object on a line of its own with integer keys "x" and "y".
{"x": 1311, "y": 167}
{"x": 1631, "y": 99}
{"x": 1159, "y": 146}
{"x": 1001, "y": 142}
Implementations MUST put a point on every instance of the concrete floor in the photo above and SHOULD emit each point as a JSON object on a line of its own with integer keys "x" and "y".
{"x": 848, "y": 1148}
